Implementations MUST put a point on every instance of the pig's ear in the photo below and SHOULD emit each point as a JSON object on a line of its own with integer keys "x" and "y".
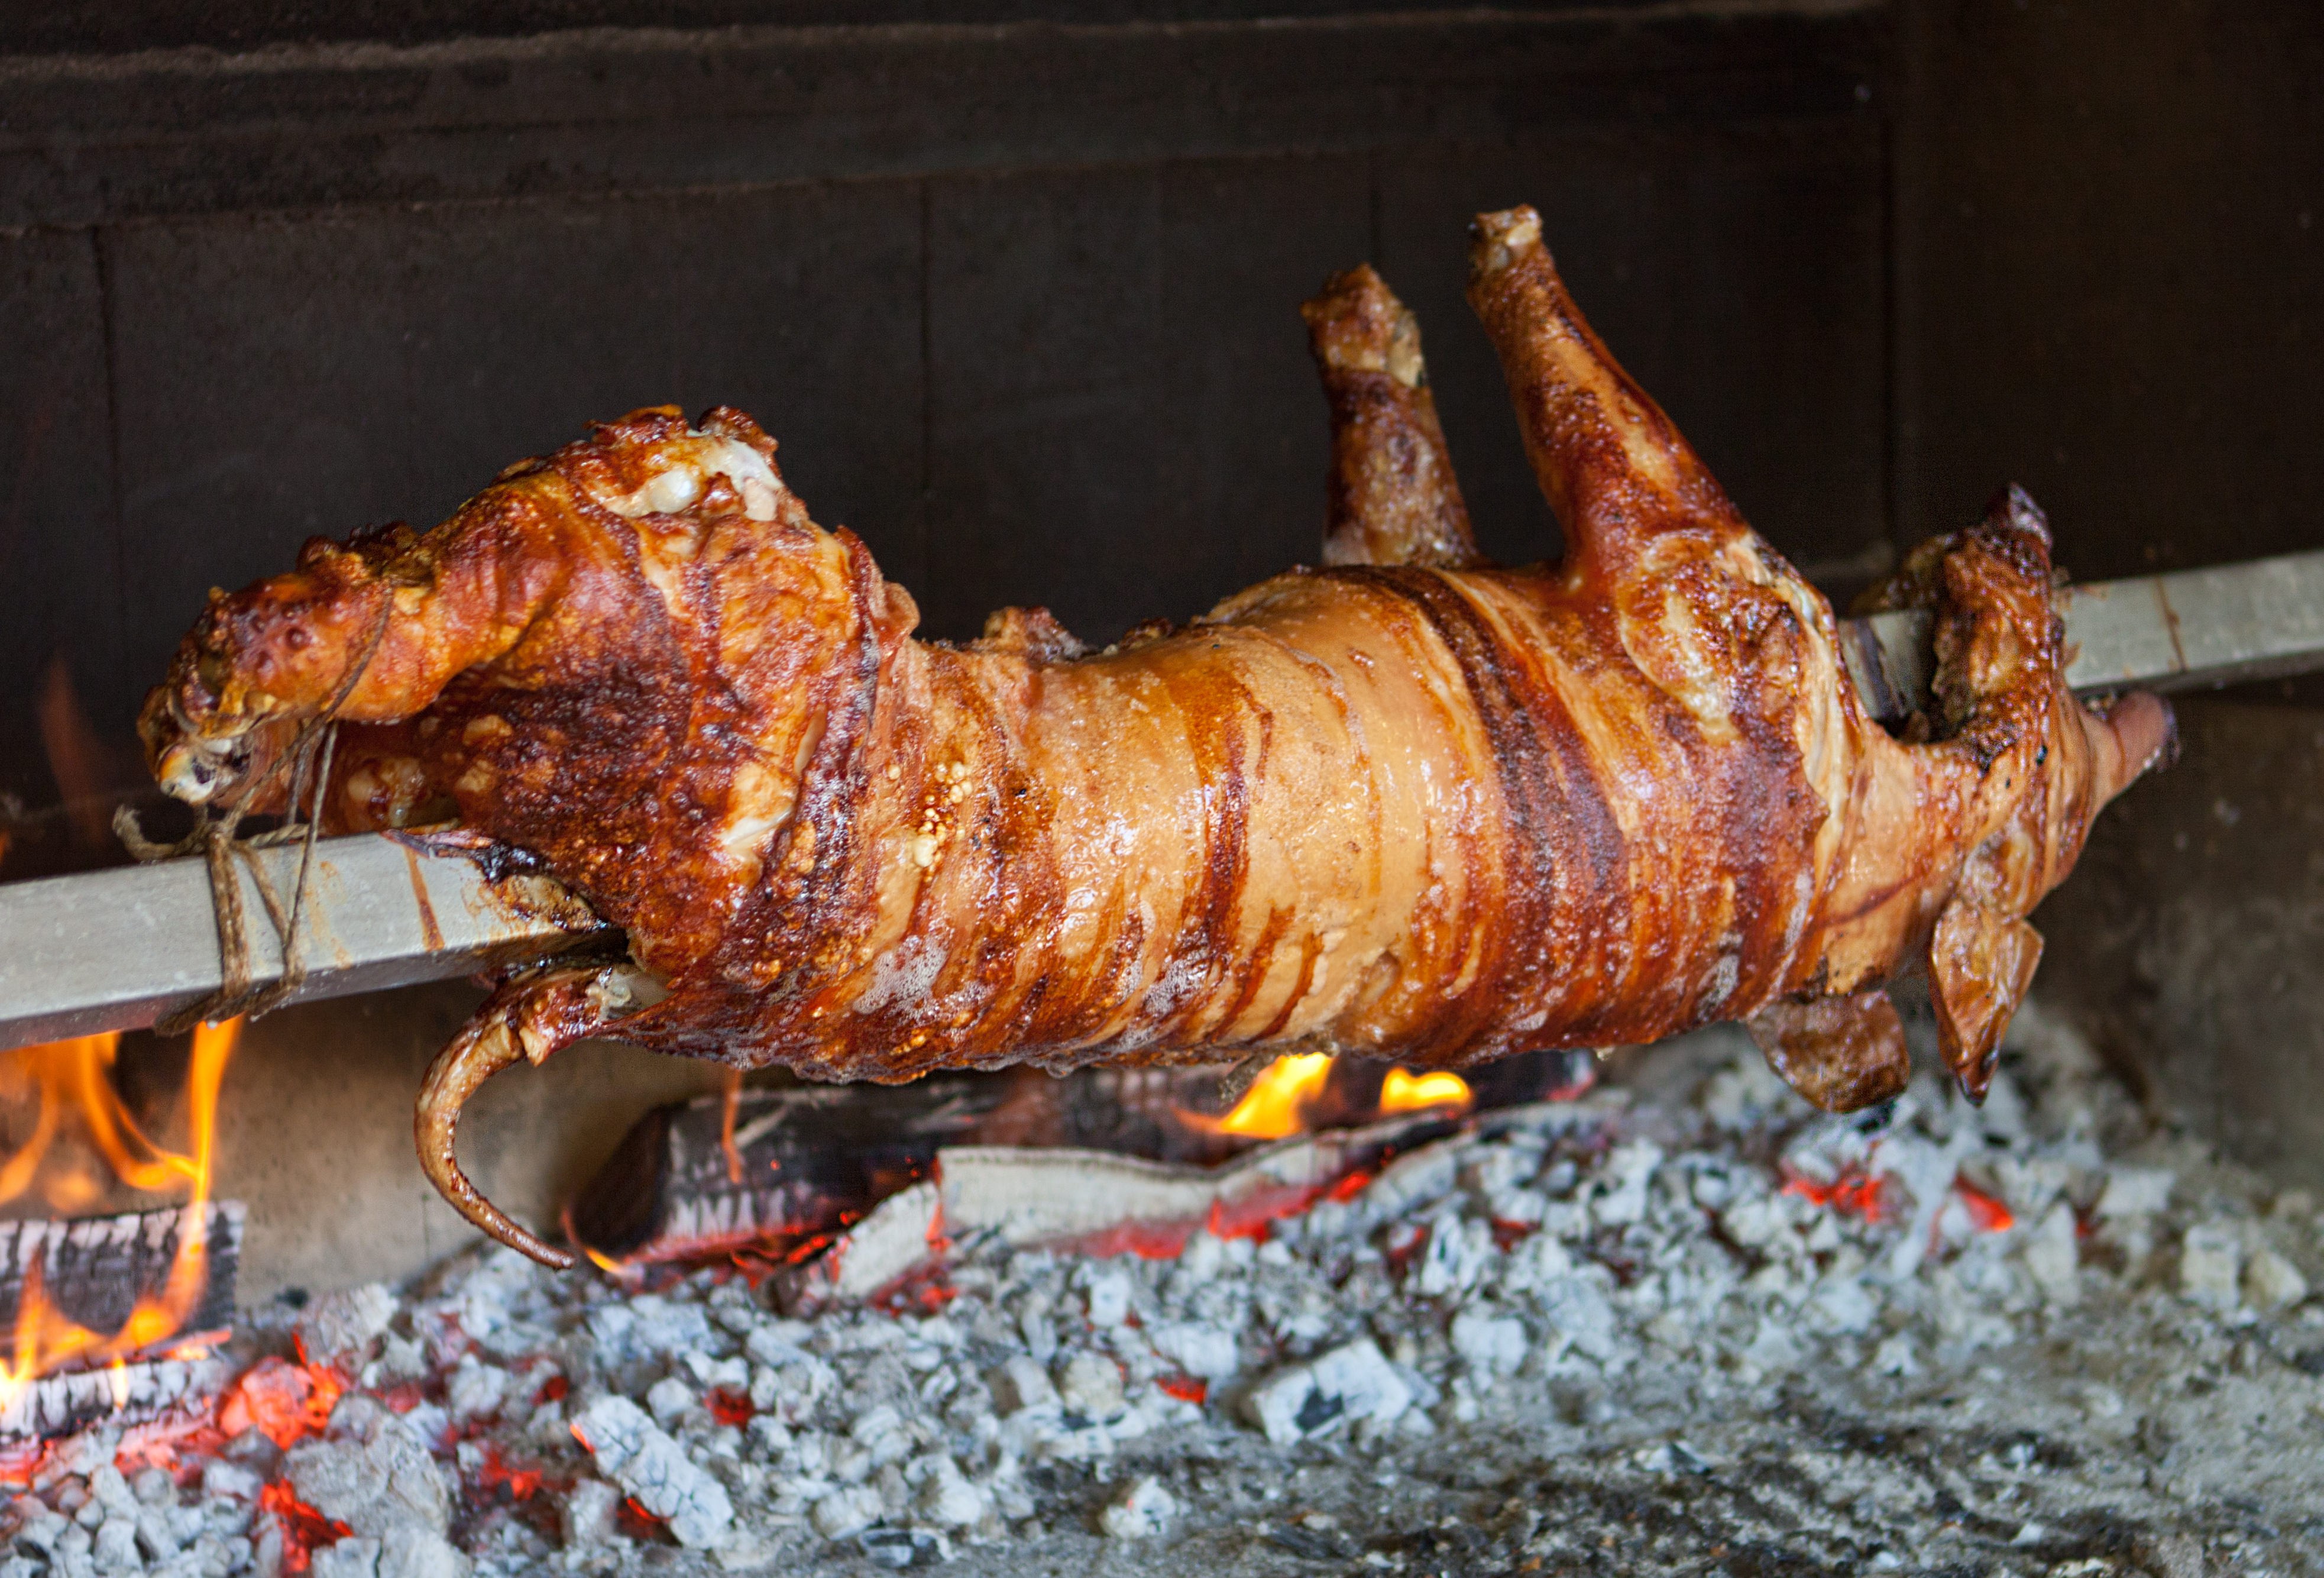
{"x": 1980, "y": 962}
{"x": 1839, "y": 1053}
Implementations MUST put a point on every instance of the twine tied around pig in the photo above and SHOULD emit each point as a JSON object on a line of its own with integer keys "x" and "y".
{"x": 214, "y": 838}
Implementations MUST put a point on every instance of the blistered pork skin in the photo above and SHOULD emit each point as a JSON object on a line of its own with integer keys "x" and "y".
{"x": 1403, "y": 805}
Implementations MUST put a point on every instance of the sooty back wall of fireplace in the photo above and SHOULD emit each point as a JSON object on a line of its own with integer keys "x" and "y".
{"x": 1018, "y": 298}
{"x": 1014, "y": 284}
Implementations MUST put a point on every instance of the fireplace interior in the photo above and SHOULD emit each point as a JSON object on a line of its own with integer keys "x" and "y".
{"x": 1014, "y": 284}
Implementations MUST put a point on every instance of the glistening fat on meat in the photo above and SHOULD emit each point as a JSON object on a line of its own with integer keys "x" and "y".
{"x": 1406, "y": 804}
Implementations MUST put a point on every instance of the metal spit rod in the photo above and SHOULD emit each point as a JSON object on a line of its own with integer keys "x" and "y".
{"x": 116, "y": 950}
{"x": 2259, "y": 619}
{"x": 119, "y": 949}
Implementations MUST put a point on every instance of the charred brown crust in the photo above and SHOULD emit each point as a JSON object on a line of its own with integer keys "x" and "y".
{"x": 1839, "y": 1053}
{"x": 1412, "y": 807}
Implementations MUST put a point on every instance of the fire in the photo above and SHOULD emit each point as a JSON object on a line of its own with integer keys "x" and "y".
{"x": 1854, "y": 1193}
{"x": 1275, "y": 1107}
{"x": 1279, "y": 1100}
{"x": 73, "y": 1075}
{"x": 1412, "y": 1093}
{"x": 85, "y": 767}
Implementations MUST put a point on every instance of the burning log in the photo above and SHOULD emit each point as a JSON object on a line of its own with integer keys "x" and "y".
{"x": 1095, "y": 1204}
{"x": 57, "y": 1407}
{"x": 1086, "y": 1199}
{"x": 81, "y": 1298}
{"x": 776, "y": 1169}
{"x": 97, "y": 1271}
{"x": 778, "y": 1172}
{"x": 113, "y": 1318}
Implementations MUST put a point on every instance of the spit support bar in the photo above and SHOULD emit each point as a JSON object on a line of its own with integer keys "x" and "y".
{"x": 2259, "y": 619}
{"x": 116, "y": 950}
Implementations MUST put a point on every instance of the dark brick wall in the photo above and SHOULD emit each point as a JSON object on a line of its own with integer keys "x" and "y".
{"x": 2114, "y": 248}
{"x": 1017, "y": 298}
{"x": 118, "y": 26}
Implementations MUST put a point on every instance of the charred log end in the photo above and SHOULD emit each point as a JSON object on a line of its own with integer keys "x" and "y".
{"x": 626, "y": 1204}
{"x": 95, "y": 1271}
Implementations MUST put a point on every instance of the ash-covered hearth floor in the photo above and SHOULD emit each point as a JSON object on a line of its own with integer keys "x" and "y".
{"x": 1688, "y": 1327}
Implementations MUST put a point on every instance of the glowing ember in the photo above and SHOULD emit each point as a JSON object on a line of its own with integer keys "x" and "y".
{"x": 288, "y": 1402}
{"x": 1186, "y": 1388}
{"x": 1853, "y": 1193}
{"x": 1412, "y": 1093}
{"x": 303, "y": 1527}
{"x": 495, "y": 1472}
{"x": 1986, "y": 1214}
{"x": 1874, "y": 1196}
{"x": 72, "y": 1075}
{"x": 634, "y": 1521}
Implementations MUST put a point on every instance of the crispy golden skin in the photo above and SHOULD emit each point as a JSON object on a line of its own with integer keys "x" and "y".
{"x": 1403, "y": 805}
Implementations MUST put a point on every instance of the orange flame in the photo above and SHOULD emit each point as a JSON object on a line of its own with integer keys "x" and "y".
{"x": 72, "y": 1075}
{"x": 1276, "y": 1104}
{"x": 83, "y": 764}
{"x": 73, "y": 1072}
{"x": 1413, "y": 1092}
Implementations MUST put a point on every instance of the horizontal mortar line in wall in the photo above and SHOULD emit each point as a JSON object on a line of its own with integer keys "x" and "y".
{"x": 125, "y": 195}
{"x": 1360, "y": 101}
{"x": 1190, "y": 141}
{"x": 1837, "y": 140}
{"x": 449, "y": 86}
{"x": 198, "y": 62}
{"x": 258, "y": 174}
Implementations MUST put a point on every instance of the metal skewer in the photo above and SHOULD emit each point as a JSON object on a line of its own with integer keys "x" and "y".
{"x": 2259, "y": 619}
{"x": 119, "y": 949}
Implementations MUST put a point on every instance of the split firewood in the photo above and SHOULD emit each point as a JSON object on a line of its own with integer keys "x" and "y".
{"x": 88, "y": 1279}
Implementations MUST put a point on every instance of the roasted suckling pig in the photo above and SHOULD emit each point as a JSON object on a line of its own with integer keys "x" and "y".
{"x": 1406, "y": 804}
